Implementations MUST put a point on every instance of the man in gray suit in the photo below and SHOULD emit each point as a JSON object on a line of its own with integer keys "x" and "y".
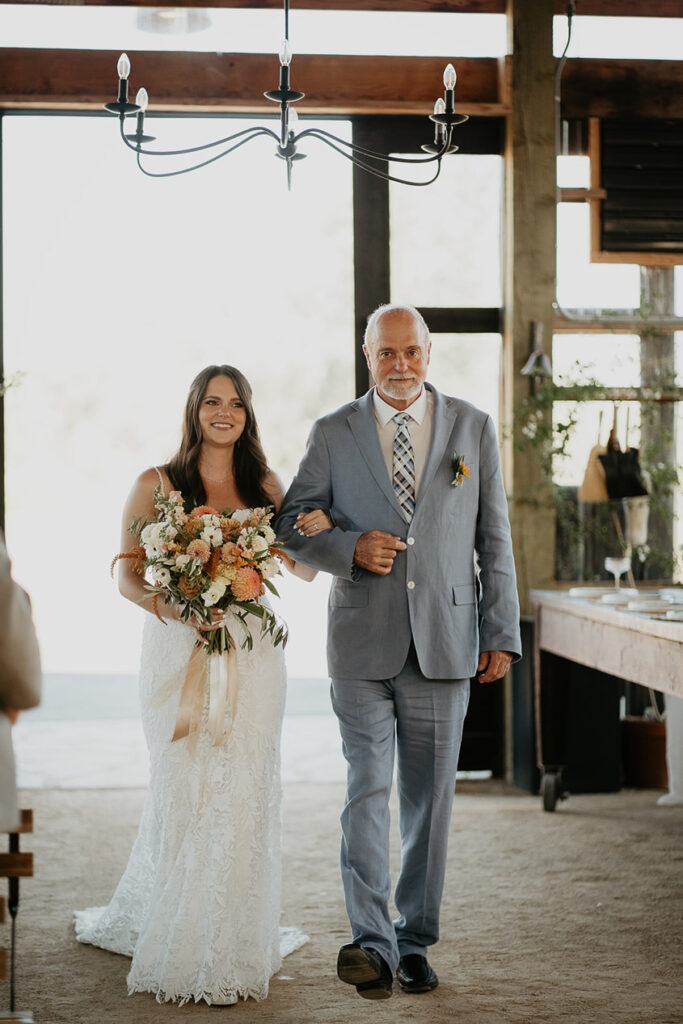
{"x": 423, "y": 597}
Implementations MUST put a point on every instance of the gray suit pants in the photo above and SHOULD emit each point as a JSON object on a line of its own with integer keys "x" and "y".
{"x": 422, "y": 720}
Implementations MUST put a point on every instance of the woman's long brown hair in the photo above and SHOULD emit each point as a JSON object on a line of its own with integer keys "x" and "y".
{"x": 249, "y": 461}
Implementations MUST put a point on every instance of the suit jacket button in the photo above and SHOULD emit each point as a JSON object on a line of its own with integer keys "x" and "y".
{"x": 411, "y": 540}
{"x": 411, "y": 585}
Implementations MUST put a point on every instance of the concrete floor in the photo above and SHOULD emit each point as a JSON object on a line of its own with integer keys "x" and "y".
{"x": 86, "y": 734}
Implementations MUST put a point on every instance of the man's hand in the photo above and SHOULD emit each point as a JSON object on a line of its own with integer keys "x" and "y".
{"x": 376, "y": 551}
{"x": 493, "y": 665}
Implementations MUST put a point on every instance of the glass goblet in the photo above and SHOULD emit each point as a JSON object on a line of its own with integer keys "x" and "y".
{"x": 618, "y": 566}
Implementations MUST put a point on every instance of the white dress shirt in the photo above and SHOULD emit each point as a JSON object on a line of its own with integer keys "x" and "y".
{"x": 419, "y": 426}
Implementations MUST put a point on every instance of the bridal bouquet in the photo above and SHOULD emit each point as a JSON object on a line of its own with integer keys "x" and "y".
{"x": 202, "y": 559}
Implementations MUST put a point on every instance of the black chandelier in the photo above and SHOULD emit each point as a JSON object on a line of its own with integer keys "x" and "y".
{"x": 288, "y": 139}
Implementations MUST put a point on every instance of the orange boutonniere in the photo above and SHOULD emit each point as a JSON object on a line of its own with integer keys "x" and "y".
{"x": 460, "y": 469}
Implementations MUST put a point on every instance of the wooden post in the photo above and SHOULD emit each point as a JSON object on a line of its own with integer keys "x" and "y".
{"x": 370, "y": 246}
{"x": 657, "y": 431}
{"x": 530, "y": 194}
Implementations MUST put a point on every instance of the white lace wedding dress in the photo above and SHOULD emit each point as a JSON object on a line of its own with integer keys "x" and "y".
{"x": 198, "y": 906}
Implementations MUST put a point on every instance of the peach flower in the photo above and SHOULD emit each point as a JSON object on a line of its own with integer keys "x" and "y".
{"x": 199, "y": 549}
{"x": 203, "y": 510}
{"x": 230, "y": 528}
{"x": 247, "y": 584}
{"x": 230, "y": 553}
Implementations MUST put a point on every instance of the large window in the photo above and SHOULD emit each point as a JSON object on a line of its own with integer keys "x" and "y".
{"x": 616, "y": 361}
{"x": 118, "y": 290}
{"x": 446, "y": 239}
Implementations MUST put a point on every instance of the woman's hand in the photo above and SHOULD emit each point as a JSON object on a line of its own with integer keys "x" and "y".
{"x": 217, "y": 620}
{"x": 310, "y": 524}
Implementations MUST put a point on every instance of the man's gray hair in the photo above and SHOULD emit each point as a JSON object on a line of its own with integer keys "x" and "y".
{"x": 373, "y": 319}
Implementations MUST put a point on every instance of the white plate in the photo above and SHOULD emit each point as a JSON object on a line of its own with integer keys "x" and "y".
{"x": 617, "y": 597}
{"x": 596, "y": 592}
{"x": 649, "y": 605}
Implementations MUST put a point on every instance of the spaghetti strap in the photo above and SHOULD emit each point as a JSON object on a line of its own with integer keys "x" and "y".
{"x": 161, "y": 480}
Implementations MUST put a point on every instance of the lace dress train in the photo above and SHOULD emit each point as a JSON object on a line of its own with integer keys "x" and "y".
{"x": 198, "y": 906}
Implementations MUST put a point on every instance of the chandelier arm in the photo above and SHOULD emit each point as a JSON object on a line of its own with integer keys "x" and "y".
{"x": 251, "y": 132}
{"x": 373, "y": 170}
{"x": 371, "y": 154}
{"x": 193, "y": 167}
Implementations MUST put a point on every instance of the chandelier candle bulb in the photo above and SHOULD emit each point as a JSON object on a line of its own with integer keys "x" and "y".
{"x": 439, "y": 129}
{"x": 449, "y": 80}
{"x": 122, "y": 107}
{"x": 142, "y": 99}
{"x": 123, "y": 66}
{"x": 285, "y": 54}
{"x": 285, "y": 61}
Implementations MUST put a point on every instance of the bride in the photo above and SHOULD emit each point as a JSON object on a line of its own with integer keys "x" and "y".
{"x": 198, "y": 905}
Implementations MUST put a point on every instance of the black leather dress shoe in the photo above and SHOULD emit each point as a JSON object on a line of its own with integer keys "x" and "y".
{"x": 365, "y": 969}
{"x": 415, "y": 975}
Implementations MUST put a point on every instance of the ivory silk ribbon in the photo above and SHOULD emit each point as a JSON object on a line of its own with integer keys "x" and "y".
{"x": 219, "y": 673}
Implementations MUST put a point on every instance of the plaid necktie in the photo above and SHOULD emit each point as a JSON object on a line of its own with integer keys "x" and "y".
{"x": 403, "y": 466}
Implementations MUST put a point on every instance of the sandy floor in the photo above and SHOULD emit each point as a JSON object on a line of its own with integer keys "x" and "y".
{"x": 575, "y": 916}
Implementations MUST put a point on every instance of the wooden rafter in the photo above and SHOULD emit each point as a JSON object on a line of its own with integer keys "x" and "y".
{"x": 84, "y": 79}
{"x": 76, "y": 79}
{"x": 605, "y": 8}
{"x": 607, "y": 88}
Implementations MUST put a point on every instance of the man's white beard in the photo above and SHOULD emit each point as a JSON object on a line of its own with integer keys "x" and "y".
{"x": 397, "y": 389}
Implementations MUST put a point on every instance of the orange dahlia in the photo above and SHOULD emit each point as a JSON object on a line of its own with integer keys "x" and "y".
{"x": 203, "y": 510}
{"x": 199, "y": 549}
{"x": 247, "y": 584}
{"x": 230, "y": 528}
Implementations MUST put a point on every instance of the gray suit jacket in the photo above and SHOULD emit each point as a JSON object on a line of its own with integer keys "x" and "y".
{"x": 451, "y": 605}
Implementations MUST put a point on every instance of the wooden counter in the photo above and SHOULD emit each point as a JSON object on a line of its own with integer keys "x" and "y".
{"x": 630, "y": 645}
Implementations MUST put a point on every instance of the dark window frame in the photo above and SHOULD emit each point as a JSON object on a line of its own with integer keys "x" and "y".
{"x": 371, "y": 241}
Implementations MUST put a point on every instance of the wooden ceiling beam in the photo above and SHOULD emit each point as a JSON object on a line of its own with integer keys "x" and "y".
{"x": 82, "y": 79}
{"x": 622, "y": 88}
{"x": 85, "y": 79}
{"x": 599, "y": 8}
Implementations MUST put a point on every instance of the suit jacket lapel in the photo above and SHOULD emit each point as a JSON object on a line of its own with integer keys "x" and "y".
{"x": 444, "y": 414}
{"x": 364, "y": 426}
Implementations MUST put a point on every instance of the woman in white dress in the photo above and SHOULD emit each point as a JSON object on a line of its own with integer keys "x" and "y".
{"x": 198, "y": 906}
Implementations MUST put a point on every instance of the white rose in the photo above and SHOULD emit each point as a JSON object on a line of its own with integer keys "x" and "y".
{"x": 214, "y": 593}
{"x": 269, "y": 567}
{"x": 151, "y": 539}
{"x": 150, "y": 533}
{"x": 160, "y": 575}
{"x": 182, "y": 560}
{"x": 241, "y": 514}
{"x": 213, "y": 535}
{"x": 259, "y": 544}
